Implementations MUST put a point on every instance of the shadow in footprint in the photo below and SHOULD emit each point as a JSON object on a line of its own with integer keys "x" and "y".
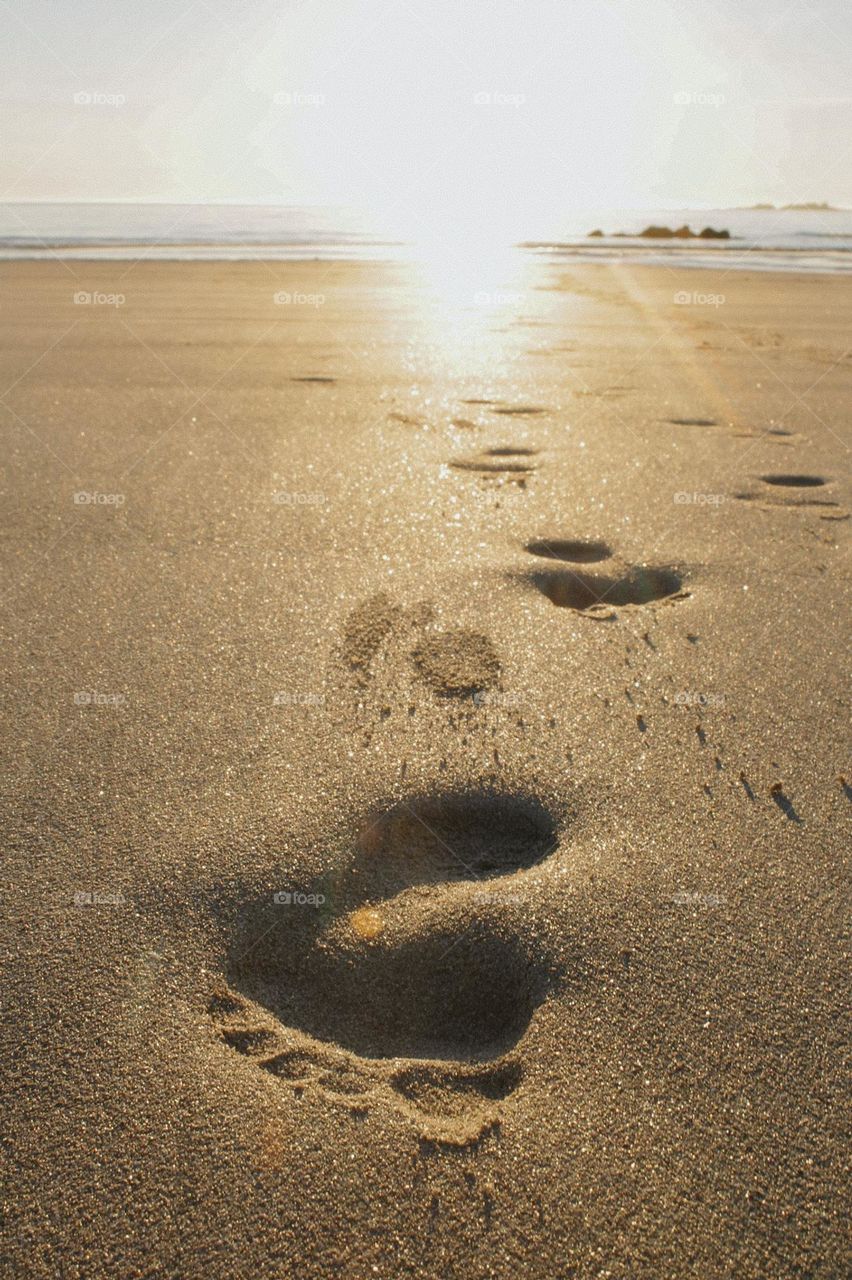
{"x": 520, "y": 410}
{"x": 794, "y": 481}
{"x": 692, "y": 422}
{"x": 423, "y": 1006}
{"x": 639, "y": 585}
{"x": 487, "y": 464}
{"x": 510, "y": 451}
{"x": 463, "y": 836}
{"x": 442, "y": 993}
{"x": 576, "y": 550}
{"x": 433, "y": 1088}
{"x": 420, "y": 989}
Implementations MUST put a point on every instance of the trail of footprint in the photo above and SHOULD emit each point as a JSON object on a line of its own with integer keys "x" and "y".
{"x": 423, "y": 1010}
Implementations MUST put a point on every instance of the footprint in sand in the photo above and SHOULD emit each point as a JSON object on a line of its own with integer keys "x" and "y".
{"x": 503, "y": 464}
{"x": 793, "y": 490}
{"x": 413, "y": 984}
{"x": 314, "y": 377}
{"x": 600, "y": 595}
{"x": 519, "y": 410}
{"x": 455, "y": 663}
{"x": 503, "y": 461}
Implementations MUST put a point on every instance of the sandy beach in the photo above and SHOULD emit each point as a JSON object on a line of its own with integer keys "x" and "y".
{"x": 429, "y": 787}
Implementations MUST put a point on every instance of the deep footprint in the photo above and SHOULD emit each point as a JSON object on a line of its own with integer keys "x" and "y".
{"x": 639, "y": 585}
{"x": 448, "y": 993}
{"x": 426, "y": 980}
{"x": 576, "y": 550}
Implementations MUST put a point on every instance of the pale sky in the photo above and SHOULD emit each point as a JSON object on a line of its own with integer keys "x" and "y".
{"x": 513, "y": 110}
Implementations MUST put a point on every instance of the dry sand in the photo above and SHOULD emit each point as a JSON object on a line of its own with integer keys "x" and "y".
{"x": 428, "y": 788}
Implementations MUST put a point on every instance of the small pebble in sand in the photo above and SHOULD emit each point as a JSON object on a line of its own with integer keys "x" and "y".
{"x": 367, "y": 923}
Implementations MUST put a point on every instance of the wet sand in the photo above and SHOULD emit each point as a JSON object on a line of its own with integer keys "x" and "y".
{"x": 429, "y": 783}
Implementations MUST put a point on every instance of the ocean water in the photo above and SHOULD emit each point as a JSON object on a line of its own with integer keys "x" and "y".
{"x": 765, "y": 239}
